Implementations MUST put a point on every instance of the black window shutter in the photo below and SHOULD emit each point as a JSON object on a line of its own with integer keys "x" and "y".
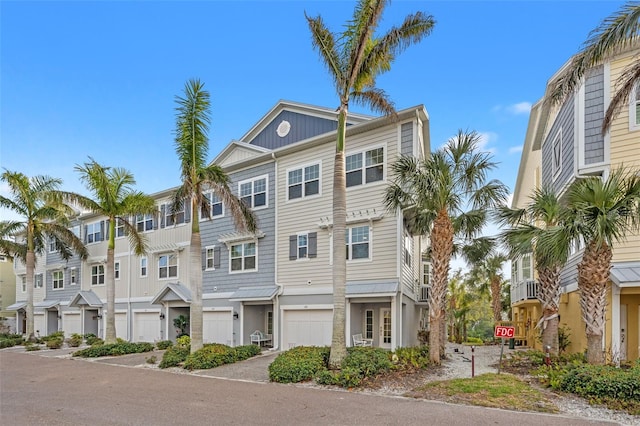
{"x": 293, "y": 247}
{"x": 216, "y": 257}
{"x": 313, "y": 244}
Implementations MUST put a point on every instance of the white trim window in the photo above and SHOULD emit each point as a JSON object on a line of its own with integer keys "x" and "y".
{"x": 634, "y": 108}
{"x": 243, "y": 257}
{"x": 73, "y": 276}
{"x": 216, "y": 208}
{"x": 143, "y": 267}
{"x": 408, "y": 250}
{"x": 365, "y": 167}
{"x": 171, "y": 219}
{"x": 116, "y": 270}
{"x": 94, "y": 232}
{"x": 97, "y": 274}
{"x": 358, "y": 241}
{"x": 556, "y": 154}
{"x": 24, "y": 283}
{"x": 119, "y": 228}
{"x": 211, "y": 258}
{"x": 76, "y": 230}
{"x": 303, "y": 182}
{"x": 254, "y": 191}
{"x": 52, "y": 245}
{"x": 368, "y": 324}
{"x": 144, "y": 222}
{"x": 167, "y": 266}
{"x": 303, "y": 245}
{"x": 57, "y": 279}
{"x": 37, "y": 281}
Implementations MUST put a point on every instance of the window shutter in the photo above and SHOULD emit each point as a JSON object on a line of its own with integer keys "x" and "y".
{"x": 162, "y": 215}
{"x": 216, "y": 257}
{"x": 187, "y": 211}
{"x": 106, "y": 232}
{"x": 293, "y": 247}
{"x": 204, "y": 259}
{"x": 102, "y": 230}
{"x": 313, "y": 244}
{"x": 85, "y": 234}
{"x": 154, "y": 218}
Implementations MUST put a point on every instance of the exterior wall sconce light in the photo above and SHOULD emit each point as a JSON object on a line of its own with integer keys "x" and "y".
{"x": 235, "y": 315}
{"x": 161, "y": 315}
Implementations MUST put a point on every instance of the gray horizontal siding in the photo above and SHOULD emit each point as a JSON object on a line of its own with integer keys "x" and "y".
{"x": 593, "y": 116}
{"x": 211, "y": 229}
{"x": 563, "y": 122}
{"x": 569, "y": 274}
{"x": 302, "y": 127}
{"x": 406, "y": 139}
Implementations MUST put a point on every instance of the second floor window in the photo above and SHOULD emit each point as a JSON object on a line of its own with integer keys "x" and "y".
{"x": 94, "y": 232}
{"x": 212, "y": 257}
{"x": 73, "y": 276}
{"x": 57, "y": 278}
{"x": 24, "y": 284}
{"x": 119, "y": 228}
{"x": 167, "y": 266}
{"x": 215, "y": 206}
{"x": 144, "y": 222}
{"x": 52, "y": 246}
{"x": 143, "y": 267}
{"x": 303, "y": 182}
{"x": 116, "y": 270}
{"x": 365, "y": 167}
{"x": 243, "y": 257}
{"x": 97, "y": 274}
{"x": 254, "y": 192}
{"x": 38, "y": 281}
{"x": 357, "y": 239}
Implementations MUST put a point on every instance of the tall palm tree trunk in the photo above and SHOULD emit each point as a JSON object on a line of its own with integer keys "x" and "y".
{"x": 31, "y": 263}
{"x": 593, "y": 276}
{"x": 549, "y": 297}
{"x": 110, "y": 331}
{"x": 195, "y": 283}
{"x": 441, "y": 249}
{"x": 496, "y": 304}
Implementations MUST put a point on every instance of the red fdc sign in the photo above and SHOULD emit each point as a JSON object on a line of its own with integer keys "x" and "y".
{"x": 504, "y": 331}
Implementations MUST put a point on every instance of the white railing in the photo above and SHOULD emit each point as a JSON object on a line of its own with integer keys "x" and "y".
{"x": 524, "y": 290}
{"x": 424, "y": 291}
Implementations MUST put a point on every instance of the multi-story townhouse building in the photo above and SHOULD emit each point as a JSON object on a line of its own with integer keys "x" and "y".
{"x": 568, "y": 140}
{"x": 278, "y": 279}
{"x": 7, "y": 294}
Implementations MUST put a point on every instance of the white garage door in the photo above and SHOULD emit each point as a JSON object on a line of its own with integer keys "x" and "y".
{"x": 217, "y": 327}
{"x": 38, "y": 324}
{"x": 146, "y": 327}
{"x": 71, "y": 324}
{"x": 307, "y": 328}
{"x": 121, "y": 325}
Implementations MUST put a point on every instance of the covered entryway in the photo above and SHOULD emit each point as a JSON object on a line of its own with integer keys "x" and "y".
{"x": 371, "y": 310}
{"x": 217, "y": 327}
{"x": 146, "y": 326}
{"x": 256, "y": 312}
{"x": 307, "y": 327}
{"x": 21, "y": 316}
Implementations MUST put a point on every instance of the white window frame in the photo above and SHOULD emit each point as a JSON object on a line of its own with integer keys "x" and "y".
{"x": 52, "y": 245}
{"x": 37, "y": 284}
{"x": 408, "y": 250}
{"x": 209, "y": 255}
{"x": 556, "y": 154}
{"x": 180, "y": 217}
{"x": 243, "y": 256}
{"x": 94, "y": 232}
{"x": 210, "y": 195}
{"x": 57, "y": 279}
{"x": 364, "y": 166}
{"x": 169, "y": 266}
{"x": 349, "y": 231}
{"x": 253, "y": 193}
{"x": 304, "y": 181}
{"x": 634, "y": 108}
{"x": 75, "y": 229}
{"x": 144, "y": 267}
{"x": 73, "y": 276}
{"x": 119, "y": 228}
{"x": 145, "y": 221}
{"x": 116, "y": 270}
{"x": 97, "y": 273}
{"x": 24, "y": 283}
{"x": 304, "y": 246}
{"x": 366, "y": 332}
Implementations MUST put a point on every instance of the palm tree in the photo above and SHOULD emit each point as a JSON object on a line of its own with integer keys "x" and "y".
{"x": 459, "y": 306}
{"x": 486, "y": 263}
{"x": 355, "y": 58}
{"x": 115, "y": 198}
{"x": 616, "y": 33}
{"x": 603, "y": 212}
{"x": 449, "y": 196}
{"x": 192, "y": 146}
{"x": 38, "y": 201}
{"x": 530, "y": 229}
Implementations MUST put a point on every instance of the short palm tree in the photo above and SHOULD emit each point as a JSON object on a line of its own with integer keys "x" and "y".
{"x": 486, "y": 263}
{"x": 355, "y": 58}
{"x": 602, "y": 212}
{"x": 114, "y": 196}
{"x": 616, "y": 33}
{"x": 459, "y": 306}
{"x": 43, "y": 215}
{"x": 192, "y": 146}
{"x": 529, "y": 231}
{"x": 447, "y": 194}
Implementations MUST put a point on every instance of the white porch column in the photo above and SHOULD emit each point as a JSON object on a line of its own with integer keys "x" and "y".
{"x": 394, "y": 323}
{"x": 615, "y": 323}
{"x": 347, "y": 321}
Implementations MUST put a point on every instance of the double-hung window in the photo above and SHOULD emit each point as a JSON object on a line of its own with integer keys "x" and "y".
{"x": 144, "y": 222}
{"x": 38, "y": 281}
{"x": 303, "y": 245}
{"x": 116, "y": 270}
{"x": 57, "y": 278}
{"x": 304, "y": 181}
{"x": 174, "y": 218}
{"x": 119, "y": 228}
{"x": 143, "y": 267}
{"x": 634, "y": 109}
{"x": 97, "y": 274}
{"x": 243, "y": 257}
{"x": 211, "y": 257}
{"x": 215, "y": 208}
{"x": 168, "y": 266}
{"x": 94, "y": 232}
{"x": 52, "y": 245}
{"x": 365, "y": 167}
{"x": 357, "y": 240}
{"x": 254, "y": 192}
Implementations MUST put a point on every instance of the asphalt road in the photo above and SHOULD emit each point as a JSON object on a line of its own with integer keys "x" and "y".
{"x": 38, "y": 390}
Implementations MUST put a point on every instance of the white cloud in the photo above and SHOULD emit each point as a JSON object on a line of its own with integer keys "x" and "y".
{"x": 520, "y": 108}
{"x": 515, "y": 149}
{"x": 485, "y": 139}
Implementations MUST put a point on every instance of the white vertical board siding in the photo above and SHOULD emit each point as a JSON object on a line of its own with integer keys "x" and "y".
{"x": 71, "y": 323}
{"x": 309, "y": 327}
{"x": 146, "y": 326}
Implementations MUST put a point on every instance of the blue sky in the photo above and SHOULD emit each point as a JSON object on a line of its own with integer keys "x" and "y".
{"x": 99, "y": 79}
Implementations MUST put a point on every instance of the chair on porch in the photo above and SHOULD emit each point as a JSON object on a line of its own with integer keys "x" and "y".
{"x": 358, "y": 340}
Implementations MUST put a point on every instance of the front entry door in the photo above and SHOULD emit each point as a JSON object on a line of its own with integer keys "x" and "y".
{"x": 384, "y": 335}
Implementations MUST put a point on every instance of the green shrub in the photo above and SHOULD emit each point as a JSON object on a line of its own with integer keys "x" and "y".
{"x": 54, "y": 343}
{"x": 114, "y": 349}
{"x": 164, "y": 344}
{"x": 412, "y": 357}
{"x": 247, "y": 351}
{"x": 367, "y": 361}
{"x": 92, "y": 339}
{"x": 53, "y": 336}
{"x": 210, "y": 356}
{"x": 31, "y": 347}
{"x": 184, "y": 341}
{"x": 474, "y": 340}
{"x": 151, "y": 360}
{"x": 173, "y": 356}
{"x": 75, "y": 340}
{"x": 9, "y": 340}
{"x": 299, "y": 364}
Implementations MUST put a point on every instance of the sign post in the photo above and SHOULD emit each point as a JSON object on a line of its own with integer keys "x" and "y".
{"x": 503, "y": 331}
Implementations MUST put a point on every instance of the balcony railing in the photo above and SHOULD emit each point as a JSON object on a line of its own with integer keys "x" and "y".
{"x": 524, "y": 290}
{"x": 424, "y": 292}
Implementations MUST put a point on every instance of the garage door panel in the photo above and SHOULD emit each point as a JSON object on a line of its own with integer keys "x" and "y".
{"x": 146, "y": 327}
{"x": 308, "y": 328}
{"x": 121, "y": 326}
{"x": 217, "y": 327}
{"x": 39, "y": 325}
{"x": 71, "y": 324}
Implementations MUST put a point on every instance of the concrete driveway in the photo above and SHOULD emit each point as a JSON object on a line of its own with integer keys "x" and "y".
{"x": 44, "y": 390}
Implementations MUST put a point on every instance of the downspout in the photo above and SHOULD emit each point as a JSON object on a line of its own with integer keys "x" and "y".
{"x": 276, "y": 304}
{"x": 129, "y": 318}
